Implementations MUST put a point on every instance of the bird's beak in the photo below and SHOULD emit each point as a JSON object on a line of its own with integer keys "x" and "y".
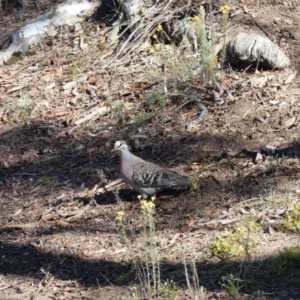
{"x": 114, "y": 149}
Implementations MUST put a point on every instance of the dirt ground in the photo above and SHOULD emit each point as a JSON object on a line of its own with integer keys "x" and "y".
{"x": 59, "y": 192}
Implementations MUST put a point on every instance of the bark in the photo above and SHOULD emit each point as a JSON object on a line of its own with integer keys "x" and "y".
{"x": 252, "y": 47}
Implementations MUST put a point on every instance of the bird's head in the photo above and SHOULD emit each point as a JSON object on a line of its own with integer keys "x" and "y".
{"x": 119, "y": 147}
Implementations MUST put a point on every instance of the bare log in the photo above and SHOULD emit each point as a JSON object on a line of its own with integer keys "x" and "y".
{"x": 47, "y": 24}
{"x": 257, "y": 48}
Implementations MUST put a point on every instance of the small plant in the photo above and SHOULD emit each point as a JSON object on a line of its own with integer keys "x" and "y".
{"x": 195, "y": 188}
{"x": 150, "y": 242}
{"x": 93, "y": 202}
{"x": 143, "y": 118}
{"x": 276, "y": 162}
{"x": 222, "y": 249}
{"x": 287, "y": 261}
{"x": 269, "y": 197}
{"x": 232, "y": 284}
{"x": 235, "y": 243}
{"x": 19, "y": 109}
{"x": 46, "y": 181}
{"x": 155, "y": 101}
{"x": 68, "y": 283}
{"x": 168, "y": 290}
{"x": 147, "y": 265}
{"x": 24, "y": 102}
{"x": 182, "y": 62}
{"x": 277, "y": 157}
{"x": 292, "y": 222}
{"x": 148, "y": 270}
{"x": 208, "y": 60}
{"x": 135, "y": 297}
{"x": 196, "y": 291}
{"x": 75, "y": 68}
{"x": 225, "y": 9}
{"x": 272, "y": 167}
{"x": 259, "y": 293}
{"x": 117, "y": 109}
{"x": 14, "y": 59}
{"x": 56, "y": 161}
{"x": 46, "y": 273}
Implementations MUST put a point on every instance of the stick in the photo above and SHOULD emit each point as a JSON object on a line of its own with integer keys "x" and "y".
{"x": 95, "y": 112}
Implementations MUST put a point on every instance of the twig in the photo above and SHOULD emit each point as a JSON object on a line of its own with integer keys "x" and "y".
{"x": 91, "y": 114}
{"x": 200, "y": 118}
{"x": 5, "y": 287}
{"x": 260, "y": 27}
{"x": 102, "y": 190}
{"x": 18, "y": 226}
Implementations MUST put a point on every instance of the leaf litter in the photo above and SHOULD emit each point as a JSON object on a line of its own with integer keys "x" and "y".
{"x": 59, "y": 118}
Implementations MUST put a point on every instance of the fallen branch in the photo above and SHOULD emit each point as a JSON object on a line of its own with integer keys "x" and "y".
{"x": 96, "y": 191}
{"x": 90, "y": 115}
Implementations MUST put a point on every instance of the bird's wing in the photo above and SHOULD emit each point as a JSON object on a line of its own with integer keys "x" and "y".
{"x": 146, "y": 174}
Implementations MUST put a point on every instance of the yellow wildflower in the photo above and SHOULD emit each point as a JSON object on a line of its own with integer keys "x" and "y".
{"x": 225, "y": 9}
{"x": 153, "y": 198}
{"x": 139, "y": 197}
{"x": 147, "y": 206}
{"x": 159, "y": 28}
{"x": 157, "y": 47}
{"x": 154, "y": 36}
{"x": 119, "y": 216}
{"x": 151, "y": 49}
{"x": 195, "y": 19}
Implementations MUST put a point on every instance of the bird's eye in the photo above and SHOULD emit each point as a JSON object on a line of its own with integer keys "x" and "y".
{"x": 117, "y": 144}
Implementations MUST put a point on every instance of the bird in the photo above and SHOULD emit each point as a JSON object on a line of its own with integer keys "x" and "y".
{"x": 144, "y": 177}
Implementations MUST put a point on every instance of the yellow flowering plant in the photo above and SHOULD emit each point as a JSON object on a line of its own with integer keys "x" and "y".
{"x": 147, "y": 206}
{"x": 159, "y": 28}
{"x": 225, "y": 9}
{"x": 119, "y": 215}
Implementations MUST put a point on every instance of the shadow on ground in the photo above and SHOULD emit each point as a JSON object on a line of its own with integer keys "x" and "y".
{"x": 278, "y": 274}
{"x": 69, "y": 164}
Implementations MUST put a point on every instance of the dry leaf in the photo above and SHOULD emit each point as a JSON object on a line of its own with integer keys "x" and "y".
{"x": 46, "y": 78}
{"x": 289, "y": 123}
{"x": 6, "y": 129}
{"x": 14, "y": 89}
{"x": 50, "y": 86}
{"x": 6, "y": 163}
{"x": 28, "y": 157}
{"x": 69, "y": 85}
{"x": 92, "y": 80}
{"x": 174, "y": 239}
{"x": 61, "y": 113}
{"x": 120, "y": 251}
{"x": 18, "y": 212}
{"x": 290, "y": 78}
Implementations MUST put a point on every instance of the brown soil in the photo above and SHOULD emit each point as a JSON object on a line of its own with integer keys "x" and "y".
{"x": 59, "y": 239}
